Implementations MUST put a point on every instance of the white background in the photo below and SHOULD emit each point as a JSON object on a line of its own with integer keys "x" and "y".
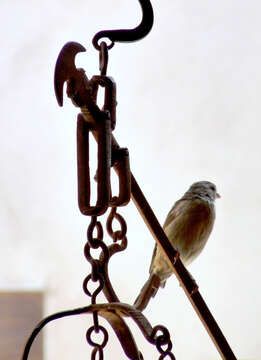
{"x": 188, "y": 110}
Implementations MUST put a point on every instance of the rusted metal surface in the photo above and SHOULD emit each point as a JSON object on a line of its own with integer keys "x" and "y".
{"x": 100, "y": 274}
{"x": 103, "y": 58}
{"x": 65, "y": 70}
{"x": 114, "y": 313}
{"x": 100, "y": 122}
{"x": 83, "y": 93}
{"x": 103, "y": 131}
{"x": 187, "y": 282}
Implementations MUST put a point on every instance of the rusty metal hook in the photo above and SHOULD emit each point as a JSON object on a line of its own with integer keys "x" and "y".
{"x": 129, "y": 35}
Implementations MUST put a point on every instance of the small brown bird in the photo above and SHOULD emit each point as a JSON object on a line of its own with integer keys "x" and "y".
{"x": 187, "y": 226}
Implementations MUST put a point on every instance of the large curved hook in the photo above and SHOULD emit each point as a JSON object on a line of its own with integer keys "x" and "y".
{"x": 129, "y": 35}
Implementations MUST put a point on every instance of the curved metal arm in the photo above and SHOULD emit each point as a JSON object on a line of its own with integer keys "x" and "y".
{"x": 129, "y": 35}
{"x": 113, "y": 313}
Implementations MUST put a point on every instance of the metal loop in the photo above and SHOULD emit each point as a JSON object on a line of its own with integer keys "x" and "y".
{"x": 93, "y": 343}
{"x": 119, "y": 234}
{"x": 161, "y": 341}
{"x": 97, "y": 291}
{"x": 104, "y": 252}
{"x": 94, "y": 224}
{"x": 95, "y": 243}
{"x": 129, "y": 35}
{"x": 102, "y": 125}
{"x": 164, "y": 337}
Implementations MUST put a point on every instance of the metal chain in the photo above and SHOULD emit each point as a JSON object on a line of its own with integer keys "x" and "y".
{"x": 95, "y": 243}
{"x": 98, "y": 348}
{"x": 99, "y": 265}
{"x": 96, "y": 275}
{"x": 162, "y": 342}
{"x": 117, "y": 235}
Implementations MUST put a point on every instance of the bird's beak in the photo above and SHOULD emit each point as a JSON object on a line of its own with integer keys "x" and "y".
{"x": 218, "y": 196}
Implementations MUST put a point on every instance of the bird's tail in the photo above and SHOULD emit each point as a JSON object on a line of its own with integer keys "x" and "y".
{"x": 148, "y": 291}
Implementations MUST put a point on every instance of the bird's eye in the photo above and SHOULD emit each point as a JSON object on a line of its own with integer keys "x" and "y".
{"x": 212, "y": 188}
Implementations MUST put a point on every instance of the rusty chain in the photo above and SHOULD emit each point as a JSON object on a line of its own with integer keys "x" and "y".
{"x": 101, "y": 122}
{"x": 99, "y": 269}
{"x": 161, "y": 340}
{"x": 108, "y": 155}
{"x": 117, "y": 235}
{"x": 159, "y": 336}
{"x": 98, "y": 348}
{"x": 95, "y": 276}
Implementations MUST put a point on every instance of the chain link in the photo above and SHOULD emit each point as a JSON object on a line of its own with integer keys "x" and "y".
{"x": 162, "y": 340}
{"x": 92, "y": 342}
{"x": 98, "y": 348}
{"x": 96, "y": 276}
{"x": 117, "y": 235}
{"x": 160, "y": 335}
{"x": 97, "y": 264}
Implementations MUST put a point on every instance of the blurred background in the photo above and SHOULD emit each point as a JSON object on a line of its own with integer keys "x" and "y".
{"x": 188, "y": 110}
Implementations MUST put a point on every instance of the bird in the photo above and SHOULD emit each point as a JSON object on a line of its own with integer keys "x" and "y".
{"x": 188, "y": 226}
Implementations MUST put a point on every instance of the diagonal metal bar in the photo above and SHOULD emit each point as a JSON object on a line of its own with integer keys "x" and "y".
{"x": 88, "y": 106}
{"x": 181, "y": 273}
{"x": 186, "y": 281}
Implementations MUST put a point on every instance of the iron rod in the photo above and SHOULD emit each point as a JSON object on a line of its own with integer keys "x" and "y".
{"x": 180, "y": 271}
{"x": 188, "y": 284}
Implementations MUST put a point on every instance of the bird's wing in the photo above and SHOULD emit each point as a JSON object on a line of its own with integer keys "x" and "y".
{"x": 174, "y": 212}
{"x": 153, "y": 257}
